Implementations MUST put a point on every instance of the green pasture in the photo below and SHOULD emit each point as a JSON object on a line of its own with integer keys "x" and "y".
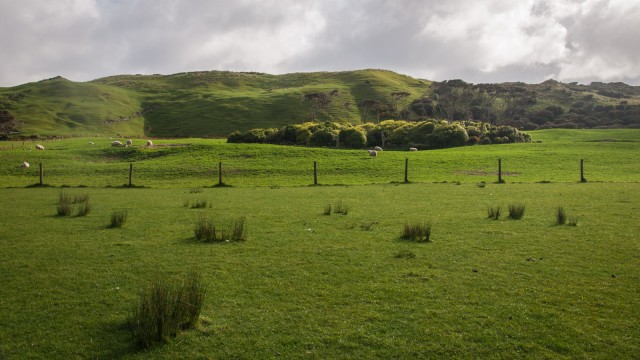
{"x": 308, "y": 285}
{"x": 553, "y": 156}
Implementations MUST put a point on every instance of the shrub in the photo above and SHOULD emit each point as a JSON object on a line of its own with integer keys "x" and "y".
{"x": 516, "y": 211}
{"x": 165, "y": 309}
{"x": 417, "y": 232}
{"x": 493, "y": 213}
{"x": 118, "y": 218}
{"x": 352, "y": 138}
{"x": 561, "y": 216}
{"x": 325, "y": 137}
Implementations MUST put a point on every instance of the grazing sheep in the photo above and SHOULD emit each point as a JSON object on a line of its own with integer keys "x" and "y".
{"x": 90, "y": 142}
{"x": 39, "y": 147}
{"x": 149, "y": 143}
{"x": 378, "y": 148}
{"x": 129, "y": 142}
{"x": 116, "y": 143}
{"x": 25, "y": 165}
{"x": 373, "y": 153}
{"x": 413, "y": 149}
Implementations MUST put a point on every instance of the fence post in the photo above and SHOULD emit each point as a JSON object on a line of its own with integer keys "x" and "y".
{"x": 220, "y": 173}
{"x": 130, "y": 173}
{"x": 315, "y": 173}
{"x": 582, "y": 179}
{"x": 500, "y": 181}
{"x": 406, "y": 170}
{"x": 41, "y": 174}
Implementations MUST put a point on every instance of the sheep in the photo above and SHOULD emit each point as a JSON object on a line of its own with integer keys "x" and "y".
{"x": 116, "y": 143}
{"x": 149, "y": 143}
{"x": 413, "y": 149}
{"x": 39, "y": 147}
{"x": 25, "y": 165}
{"x": 373, "y": 153}
{"x": 129, "y": 142}
{"x": 90, "y": 142}
{"x": 378, "y": 148}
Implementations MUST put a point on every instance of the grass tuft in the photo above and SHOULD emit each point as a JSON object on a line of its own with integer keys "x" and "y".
{"x": 327, "y": 209}
{"x": 200, "y": 204}
{"x": 405, "y": 254}
{"x": 195, "y": 191}
{"x": 118, "y": 218}
{"x": 516, "y": 211}
{"x": 239, "y": 231}
{"x": 561, "y": 216}
{"x": 166, "y": 308}
{"x": 205, "y": 230}
{"x": 493, "y": 213}
{"x": 340, "y": 208}
{"x": 84, "y": 209}
{"x": 573, "y": 221}
{"x": 417, "y": 232}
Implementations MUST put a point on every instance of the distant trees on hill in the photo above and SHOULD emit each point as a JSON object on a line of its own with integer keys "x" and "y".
{"x": 399, "y": 134}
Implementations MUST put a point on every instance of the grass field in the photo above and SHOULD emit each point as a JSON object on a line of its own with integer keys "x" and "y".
{"x": 307, "y": 285}
{"x": 554, "y": 156}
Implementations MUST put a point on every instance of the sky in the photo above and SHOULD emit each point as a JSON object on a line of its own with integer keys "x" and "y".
{"x": 479, "y": 41}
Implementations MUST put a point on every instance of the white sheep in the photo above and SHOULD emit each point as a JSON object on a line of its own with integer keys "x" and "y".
{"x": 373, "y": 153}
{"x": 378, "y": 148}
{"x": 25, "y": 165}
{"x": 116, "y": 143}
{"x": 149, "y": 143}
{"x": 90, "y": 142}
{"x": 413, "y": 149}
{"x": 129, "y": 142}
{"x": 39, "y": 147}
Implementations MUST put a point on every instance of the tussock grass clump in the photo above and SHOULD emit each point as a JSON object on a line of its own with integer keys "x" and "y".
{"x": 561, "y": 216}
{"x": 118, "y": 218}
{"x": 64, "y": 198}
{"x": 84, "y": 209}
{"x": 340, "y": 208}
{"x": 186, "y": 203}
{"x": 206, "y": 231}
{"x": 81, "y": 198}
{"x": 573, "y": 221}
{"x": 516, "y": 211}
{"x": 166, "y": 308}
{"x": 238, "y": 232}
{"x": 327, "y": 209}
{"x": 493, "y": 213}
{"x": 195, "y": 191}
{"x": 417, "y": 232}
{"x": 64, "y": 209}
{"x": 200, "y": 204}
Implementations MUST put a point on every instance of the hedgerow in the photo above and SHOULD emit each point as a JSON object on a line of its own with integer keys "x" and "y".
{"x": 429, "y": 134}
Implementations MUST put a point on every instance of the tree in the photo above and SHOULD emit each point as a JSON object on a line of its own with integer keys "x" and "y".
{"x": 318, "y": 103}
{"x": 8, "y": 123}
{"x": 398, "y": 103}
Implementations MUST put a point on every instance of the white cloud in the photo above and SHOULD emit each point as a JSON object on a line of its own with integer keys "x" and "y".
{"x": 476, "y": 40}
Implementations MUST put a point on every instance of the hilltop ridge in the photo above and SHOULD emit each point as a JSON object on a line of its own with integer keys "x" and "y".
{"x": 216, "y": 103}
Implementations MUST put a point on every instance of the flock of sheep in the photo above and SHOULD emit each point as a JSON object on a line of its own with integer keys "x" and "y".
{"x": 375, "y": 150}
{"x": 127, "y": 143}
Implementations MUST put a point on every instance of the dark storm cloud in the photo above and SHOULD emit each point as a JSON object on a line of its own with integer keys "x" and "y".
{"x": 478, "y": 41}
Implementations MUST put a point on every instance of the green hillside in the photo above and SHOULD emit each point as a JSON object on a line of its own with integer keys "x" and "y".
{"x": 216, "y": 103}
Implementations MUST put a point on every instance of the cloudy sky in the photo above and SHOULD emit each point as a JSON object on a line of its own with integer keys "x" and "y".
{"x": 473, "y": 40}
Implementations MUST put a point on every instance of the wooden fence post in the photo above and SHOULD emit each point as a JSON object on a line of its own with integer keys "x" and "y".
{"x": 406, "y": 170}
{"x": 41, "y": 174}
{"x": 130, "y": 173}
{"x": 500, "y": 181}
{"x": 582, "y": 179}
{"x": 220, "y": 173}
{"x": 315, "y": 173}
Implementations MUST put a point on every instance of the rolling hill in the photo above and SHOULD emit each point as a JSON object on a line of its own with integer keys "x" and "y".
{"x": 216, "y": 103}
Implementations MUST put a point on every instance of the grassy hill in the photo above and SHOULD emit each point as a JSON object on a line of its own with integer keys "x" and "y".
{"x": 215, "y": 103}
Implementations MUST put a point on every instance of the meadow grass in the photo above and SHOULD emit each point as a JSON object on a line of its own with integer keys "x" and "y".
{"x": 554, "y": 157}
{"x": 313, "y": 286}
